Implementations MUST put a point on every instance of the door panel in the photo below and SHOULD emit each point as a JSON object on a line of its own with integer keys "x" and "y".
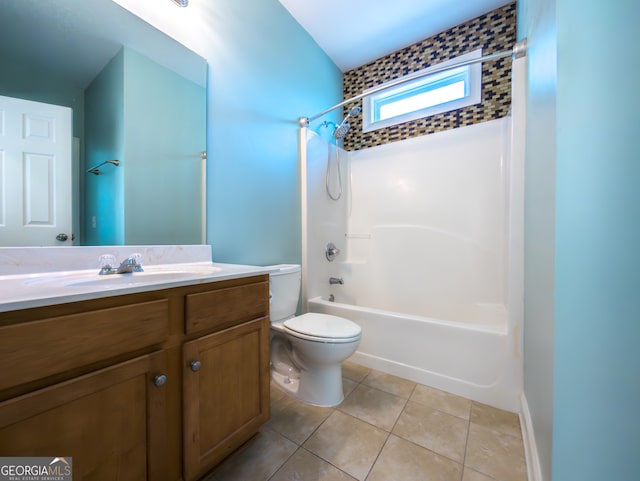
{"x": 35, "y": 173}
{"x": 226, "y": 398}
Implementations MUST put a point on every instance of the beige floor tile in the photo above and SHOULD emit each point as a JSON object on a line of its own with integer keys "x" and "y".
{"x": 304, "y": 466}
{"x": 441, "y": 400}
{"x": 495, "y": 454}
{"x": 257, "y": 459}
{"x": 471, "y": 475}
{"x": 493, "y": 418}
{"x": 354, "y": 371}
{"x": 348, "y": 443}
{"x": 391, "y": 384}
{"x": 296, "y": 420}
{"x": 373, "y": 406}
{"x": 402, "y": 460}
{"x": 348, "y": 386}
{"x": 432, "y": 429}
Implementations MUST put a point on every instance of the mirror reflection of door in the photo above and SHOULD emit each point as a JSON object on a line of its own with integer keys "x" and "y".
{"x": 35, "y": 173}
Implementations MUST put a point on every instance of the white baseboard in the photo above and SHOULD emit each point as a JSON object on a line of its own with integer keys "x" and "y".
{"x": 534, "y": 472}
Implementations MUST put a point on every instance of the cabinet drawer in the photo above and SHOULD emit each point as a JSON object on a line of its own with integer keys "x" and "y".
{"x": 221, "y": 308}
{"x": 37, "y": 349}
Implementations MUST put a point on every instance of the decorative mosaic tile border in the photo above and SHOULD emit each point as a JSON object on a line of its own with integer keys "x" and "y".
{"x": 493, "y": 32}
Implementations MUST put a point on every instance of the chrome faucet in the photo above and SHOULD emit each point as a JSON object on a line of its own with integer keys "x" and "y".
{"x": 133, "y": 263}
{"x": 336, "y": 280}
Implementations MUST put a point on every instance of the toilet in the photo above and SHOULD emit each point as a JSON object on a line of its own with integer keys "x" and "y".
{"x": 307, "y": 350}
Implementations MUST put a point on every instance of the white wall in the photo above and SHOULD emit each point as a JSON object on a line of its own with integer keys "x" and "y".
{"x": 537, "y": 22}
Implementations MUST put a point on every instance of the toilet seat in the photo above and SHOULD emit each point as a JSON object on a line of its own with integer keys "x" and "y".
{"x": 323, "y": 328}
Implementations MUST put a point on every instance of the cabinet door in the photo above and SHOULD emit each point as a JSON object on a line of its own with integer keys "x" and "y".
{"x": 226, "y": 393}
{"x": 111, "y": 422}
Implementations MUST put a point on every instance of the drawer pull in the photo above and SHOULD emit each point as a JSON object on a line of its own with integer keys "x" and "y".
{"x": 160, "y": 380}
{"x": 195, "y": 366}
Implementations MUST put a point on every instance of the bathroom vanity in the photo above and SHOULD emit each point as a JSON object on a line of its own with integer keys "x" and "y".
{"x": 157, "y": 381}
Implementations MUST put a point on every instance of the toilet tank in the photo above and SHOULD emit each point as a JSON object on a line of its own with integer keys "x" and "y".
{"x": 284, "y": 286}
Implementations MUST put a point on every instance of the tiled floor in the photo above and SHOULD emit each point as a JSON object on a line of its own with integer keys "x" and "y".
{"x": 386, "y": 429}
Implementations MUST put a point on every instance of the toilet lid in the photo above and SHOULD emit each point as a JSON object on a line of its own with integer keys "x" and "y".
{"x": 323, "y": 326}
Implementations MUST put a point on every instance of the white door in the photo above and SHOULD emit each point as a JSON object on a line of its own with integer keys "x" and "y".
{"x": 35, "y": 173}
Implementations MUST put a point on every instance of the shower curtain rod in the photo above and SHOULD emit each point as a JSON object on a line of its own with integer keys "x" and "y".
{"x": 518, "y": 50}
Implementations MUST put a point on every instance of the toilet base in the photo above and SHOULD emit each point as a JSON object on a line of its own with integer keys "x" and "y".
{"x": 320, "y": 387}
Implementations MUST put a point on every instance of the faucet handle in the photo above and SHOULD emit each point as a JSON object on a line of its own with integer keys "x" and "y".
{"x": 331, "y": 251}
{"x": 107, "y": 264}
{"x": 136, "y": 260}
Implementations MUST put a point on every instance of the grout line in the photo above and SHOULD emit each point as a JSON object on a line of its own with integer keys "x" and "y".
{"x": 378, "y": 456}
{"x": 328, "y": 462}
{"x": 466, "y": 443}
{"x": 285, "y": 462}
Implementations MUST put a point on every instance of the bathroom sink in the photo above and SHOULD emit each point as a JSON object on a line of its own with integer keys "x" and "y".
{"x": 133, "y": 279}
{"x": 151, "y": 275}
{"x": 39, "y": 279}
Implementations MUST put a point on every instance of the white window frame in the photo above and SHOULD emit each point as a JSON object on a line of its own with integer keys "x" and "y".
{"x": 473, "y": 93}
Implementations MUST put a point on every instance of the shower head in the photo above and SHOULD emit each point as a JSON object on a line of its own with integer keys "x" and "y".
{"x": 341, "y": 130}
{"x": 344, "y": 126}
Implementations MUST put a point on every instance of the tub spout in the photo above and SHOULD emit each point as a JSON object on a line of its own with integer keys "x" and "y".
{"x": 336, "y": 280}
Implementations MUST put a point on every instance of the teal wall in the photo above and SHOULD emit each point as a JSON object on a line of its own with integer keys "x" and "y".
{"x": 582, "y": 222}
{"x": 264, "y": 72}
{"x": 24, "y": 81}
{"x": 597, "y": 308}
{"x": 165, "y": 135}
{"x": 104, "y": 127}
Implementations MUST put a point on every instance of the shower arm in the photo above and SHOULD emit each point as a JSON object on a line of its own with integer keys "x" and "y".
{"x": 518, "y": 50}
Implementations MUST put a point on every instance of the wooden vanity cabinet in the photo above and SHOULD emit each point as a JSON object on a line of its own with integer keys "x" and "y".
{"x": 160, "y": 385}
{"x": 86, "y": 380}
{"x": 226, "y": 373}
{"x": 108, "y": 421}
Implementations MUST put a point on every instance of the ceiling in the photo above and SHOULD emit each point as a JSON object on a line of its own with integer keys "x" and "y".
{"x": 356, "y": 32}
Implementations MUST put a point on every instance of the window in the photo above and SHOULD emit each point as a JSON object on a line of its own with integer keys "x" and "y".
{"x": 425, "y": 96}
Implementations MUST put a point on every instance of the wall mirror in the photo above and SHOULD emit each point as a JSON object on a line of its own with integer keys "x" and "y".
{"x": 135, "y": 95}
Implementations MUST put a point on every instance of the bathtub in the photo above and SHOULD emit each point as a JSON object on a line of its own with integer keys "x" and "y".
{"x": 480, "y": 360}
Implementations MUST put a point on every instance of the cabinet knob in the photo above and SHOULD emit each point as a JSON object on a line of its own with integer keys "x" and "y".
{"x": 195, "y": 366}
{"x": 159, "y": 380}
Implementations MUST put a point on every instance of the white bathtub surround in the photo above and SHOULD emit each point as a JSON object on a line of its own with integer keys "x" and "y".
{"x": 427, "y": 230}
{"x": 430, "y": 232}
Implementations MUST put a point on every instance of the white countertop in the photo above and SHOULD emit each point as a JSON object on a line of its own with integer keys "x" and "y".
{"x": 43, "y": 289}
{"x": 42, "y": 276}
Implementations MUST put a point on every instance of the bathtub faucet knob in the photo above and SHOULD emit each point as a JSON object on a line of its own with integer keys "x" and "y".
{"x": 336, "y": 280}
{"x": 331, "y": 251}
